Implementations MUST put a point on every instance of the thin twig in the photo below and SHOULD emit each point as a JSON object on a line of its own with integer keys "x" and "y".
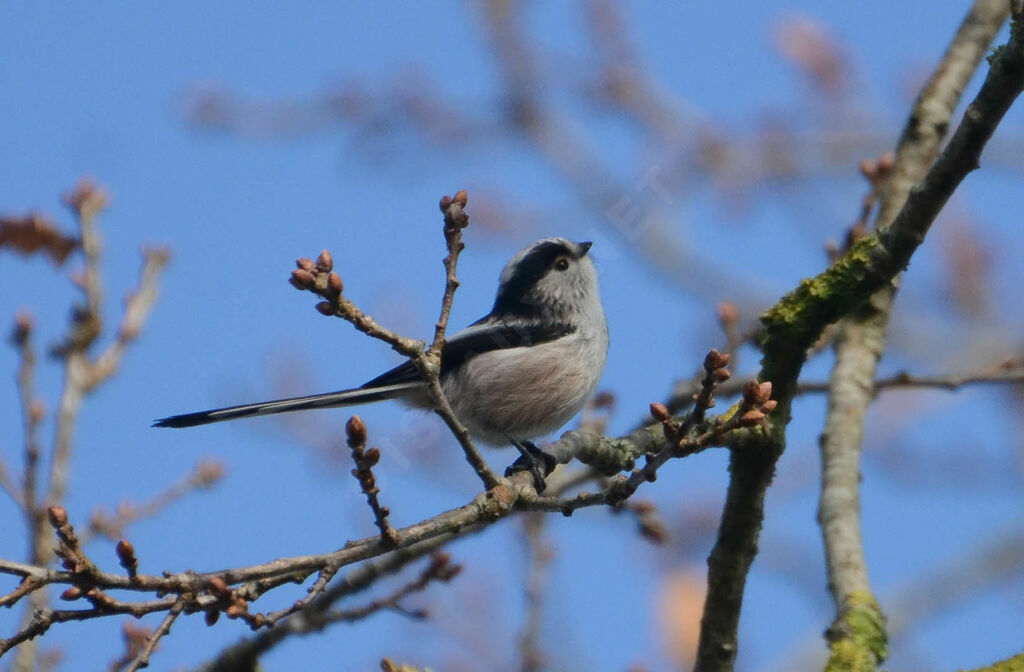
{"x": 320, "y": 279}
{"x": 486, "y": 509}
{"x": 204, "y": 475}
{"x": 245, "y": 652}
{"x": 142, "y": 660}
{"x": 365, "y": 459}
{"x": 455, "y": 220}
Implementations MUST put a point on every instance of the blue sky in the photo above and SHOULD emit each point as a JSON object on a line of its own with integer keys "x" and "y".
{"x": 101, "y": 89}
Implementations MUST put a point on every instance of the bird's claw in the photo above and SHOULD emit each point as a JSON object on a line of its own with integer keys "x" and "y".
{"x": 536, "y": 461}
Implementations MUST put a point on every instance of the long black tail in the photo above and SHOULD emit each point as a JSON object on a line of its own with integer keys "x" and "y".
{"x": 359, "y": 395}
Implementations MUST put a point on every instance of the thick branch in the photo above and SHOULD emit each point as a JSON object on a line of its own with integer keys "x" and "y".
{"x": 857, "y": 636}
{"x": 793, "y": 324}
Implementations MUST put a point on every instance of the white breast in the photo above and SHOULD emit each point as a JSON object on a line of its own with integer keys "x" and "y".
{"x": 527, "y": 392}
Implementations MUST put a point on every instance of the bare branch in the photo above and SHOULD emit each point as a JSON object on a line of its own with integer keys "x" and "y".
{"x": 248, "y": 650}
{"x": 455, "y": 220}
{"x": 858, "y": 636}
{"x": 365, "y": 460}
{"x": 204, "y": 475}
{"x": 320, "y": 279}
{"x": 793, "y": 324}
{"x": 142, "y": 660}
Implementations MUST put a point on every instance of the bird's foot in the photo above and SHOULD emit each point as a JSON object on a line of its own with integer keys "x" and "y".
{"x": 532, "y": 459}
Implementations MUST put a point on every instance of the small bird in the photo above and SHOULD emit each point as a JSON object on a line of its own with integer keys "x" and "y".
{"x": 519, "y": 373}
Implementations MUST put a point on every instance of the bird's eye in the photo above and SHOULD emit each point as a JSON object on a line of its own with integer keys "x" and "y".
{"x": 562, "y": 264}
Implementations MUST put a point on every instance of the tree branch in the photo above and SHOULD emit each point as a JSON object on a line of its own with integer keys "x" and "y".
{"x": 857, "y": 636}
{"x": 793, "y": 324}
{"x": 320, "y": 279}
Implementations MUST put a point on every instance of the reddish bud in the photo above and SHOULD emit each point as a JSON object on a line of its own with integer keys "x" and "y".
{"x": 22, "y": 327}
{"x": 58, "y": 515}
{"x": 126, "y": 554}
{"x": 659, "y": 412}
{"x": 305, "y": 264}
{"x": 71, "y": 594}
{"x": 461, "y": 197}
{"x": 372, "y": 455}
{"x": 653, "y": 531}
{"x": 234, "y": 611}
{"x": 86, "y": 197}
{"x": 212, "y": 616}
{"x": 769, "y": 406}
{"x": 716, "y": 360}
{"x": 334, "y": 283}
{"x": 868, "y": 168}
{"x": 765, "y": 391}
{"x": 302, "y": 279}
{"x": 751, "y": 418}
{"x": 207, "y": 473}
{"x": 325, "y": 262}
{"x": 721, "y": 375}
{"x": 325, "y": 308}
{"x": 355, "y": 429}
{"x": 643, "y": 506}
{"x": 445, "y": 203}
{"x": 885, "y": 162}
{"x": 728, "y": 313}
{"x": 218, "y": 586}
{"x": 751, "y": 391}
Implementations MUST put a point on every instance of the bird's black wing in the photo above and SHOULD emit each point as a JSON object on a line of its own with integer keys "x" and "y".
{"x": 477, "y": 338}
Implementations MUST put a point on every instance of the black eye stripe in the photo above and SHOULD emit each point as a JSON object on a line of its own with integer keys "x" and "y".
{"x": 527, "y": 273}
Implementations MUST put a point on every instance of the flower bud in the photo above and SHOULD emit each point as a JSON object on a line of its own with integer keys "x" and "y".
{"x": 751, "y": 418}
{"x": 71, "y": 594}
{"x": 58, "y": 515}
{"x": 126, "y": 553}
{"x": 218, "y": 586}
{"x": 355, "y": 429}
{"x": 334, "y": 283}
{"x": 302, "y": 279}
{"x": 325, "y": 262}
{"x": 659, "y": 412}
{"x": 728, "y": 313}
{"x": 325, "y": 308}
{"x": 716, "y": 360}
{"x": 461, "y": 197}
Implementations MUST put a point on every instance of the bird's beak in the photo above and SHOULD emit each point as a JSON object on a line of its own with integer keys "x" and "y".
{"x": 582, "y": 249}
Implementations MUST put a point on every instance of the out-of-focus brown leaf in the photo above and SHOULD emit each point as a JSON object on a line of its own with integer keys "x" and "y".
{"x": 681, "y": 603}
{"x": 33, "y": 233}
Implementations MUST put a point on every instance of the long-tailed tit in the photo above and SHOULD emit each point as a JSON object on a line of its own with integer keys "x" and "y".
{"x": 519, "y": 373}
